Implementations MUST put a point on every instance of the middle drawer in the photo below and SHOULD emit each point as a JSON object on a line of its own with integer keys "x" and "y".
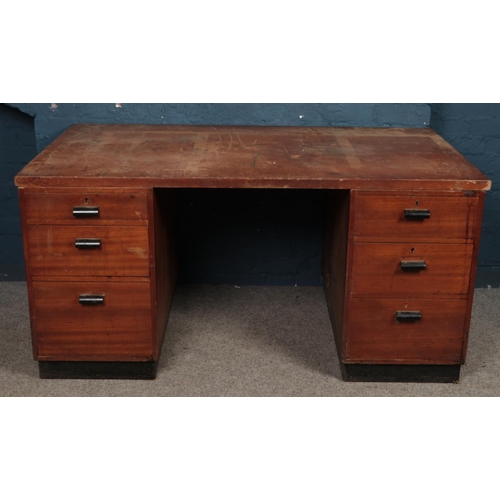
{"x": 410, "y": 270}
{"x": 89, "y": 250}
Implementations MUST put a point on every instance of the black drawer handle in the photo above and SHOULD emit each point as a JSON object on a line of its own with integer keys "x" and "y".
{"x": 91, "y": 299}
{"x": 417, "y": 214}
{"x": 88, "y": 243}
{"x": 86, "y": 211}
{"x": 408, "y": 316}
{"x": 413, "y": 265}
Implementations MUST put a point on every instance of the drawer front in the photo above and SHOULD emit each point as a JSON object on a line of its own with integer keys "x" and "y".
{"x": 411, "y": 269}
{"x": 117, "y": 327}
{"x": 84, "y": 208}
{"x": 394, "y": 218}
{"x": 111, "y": 251}
{"x": 375, "y": 335}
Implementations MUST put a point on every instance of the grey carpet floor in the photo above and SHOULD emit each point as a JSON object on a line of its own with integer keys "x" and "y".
{"x": 248, "y": 341}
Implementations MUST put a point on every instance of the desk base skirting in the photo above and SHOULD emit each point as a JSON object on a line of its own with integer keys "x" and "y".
{"x": 400, "y": 373}
{"x": 140, "y": 370}
{"x": 147, "y": 371}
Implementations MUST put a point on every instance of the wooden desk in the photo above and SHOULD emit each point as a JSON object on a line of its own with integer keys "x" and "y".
{"x": 400, "y": 247}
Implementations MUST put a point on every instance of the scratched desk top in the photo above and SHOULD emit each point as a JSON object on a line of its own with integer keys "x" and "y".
{"x": 251, "y": 157}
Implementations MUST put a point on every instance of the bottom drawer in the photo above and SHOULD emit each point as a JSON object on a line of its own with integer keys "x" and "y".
{"x": 92, "y": 321}
{"x": 433, "y": 334}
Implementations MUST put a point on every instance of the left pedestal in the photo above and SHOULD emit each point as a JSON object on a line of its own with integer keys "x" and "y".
{"x": 99, "y": 303}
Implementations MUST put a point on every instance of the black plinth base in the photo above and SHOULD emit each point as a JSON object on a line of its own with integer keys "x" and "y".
{"x": 140, "y": 370}
{"x": 400, "y": 373}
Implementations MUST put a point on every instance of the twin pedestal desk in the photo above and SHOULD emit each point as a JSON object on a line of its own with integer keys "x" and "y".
{"x": 401, "y": 240}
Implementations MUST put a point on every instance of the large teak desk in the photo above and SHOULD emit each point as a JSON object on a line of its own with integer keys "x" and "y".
{"x": 401, "y": 240}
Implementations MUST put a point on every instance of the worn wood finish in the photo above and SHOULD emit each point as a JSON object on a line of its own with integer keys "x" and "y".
{"x": 57, "y": 208}
{"x": 117, "y": 330}
{"x": 375, "y": 336}
{"x": 267, "y": 157}
{"x": 372, "y": 176}
{"x": 380, "y": 217}
{"x": 377, "y": 269}
{"x": 123, "y": 252}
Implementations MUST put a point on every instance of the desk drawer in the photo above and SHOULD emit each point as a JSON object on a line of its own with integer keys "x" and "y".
{"x": 411, "y": 269}
{"x": 376, "y": 336}
{"x": 414, "y": 217}
{"x": 118, "y": 327}
{"x": 111, "y": 251}
{"x": 84, "y": 208}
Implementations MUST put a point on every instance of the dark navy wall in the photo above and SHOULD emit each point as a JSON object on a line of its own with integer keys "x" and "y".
{"x": 17, "y": 147}
{"x": 474, "y": 130}
{"x": 52, "y": 119}
{"x": 237, "y": 236}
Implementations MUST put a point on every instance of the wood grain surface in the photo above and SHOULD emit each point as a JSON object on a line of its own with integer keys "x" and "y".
{"x": 335, "y": 262}
{"x": 124, "y": 251}
{"x": 374, "y": 335}
{"x": 242, "y": 157}
{"x": 164, "y": 268}
{"x": 373, "y": 175}
{"x": 380, "y": 217}
{"x": 57, "y": 208}
{"x": 377, "y": 269}
{"x": 117, "y": 330}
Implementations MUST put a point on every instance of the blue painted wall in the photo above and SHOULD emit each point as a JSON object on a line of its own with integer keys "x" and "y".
{"x": 52, "y": 119}
{"x": 474, "y": 130}
{"x": 17, "y": 148}
{"x": 238, "y": 237}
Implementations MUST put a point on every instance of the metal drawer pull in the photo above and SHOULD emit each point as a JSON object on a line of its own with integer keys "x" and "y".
{"x": 417, "y": 214}
{"x": 85, "y": 211}
{"x": 91, "y": 299}
{"x": 408, "y": 315}
{"x": 413, "y": 265}
{"x": 88, "y": 242}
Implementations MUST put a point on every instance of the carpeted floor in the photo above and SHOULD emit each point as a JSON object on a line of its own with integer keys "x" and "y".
{"x": 248, "y": 341}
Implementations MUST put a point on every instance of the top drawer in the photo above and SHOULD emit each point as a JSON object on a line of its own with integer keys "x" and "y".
{"x": 414, "y": 217}
{"x": 82, "y": 207}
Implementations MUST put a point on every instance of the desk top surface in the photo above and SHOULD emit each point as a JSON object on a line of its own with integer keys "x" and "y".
{"x": 251, "y": 157}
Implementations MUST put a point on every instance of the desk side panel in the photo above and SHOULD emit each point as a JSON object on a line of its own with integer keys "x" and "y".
{"x": 163, "y": 261}
{"x": 335, "y": 260}
{"x": 473, "y": 269}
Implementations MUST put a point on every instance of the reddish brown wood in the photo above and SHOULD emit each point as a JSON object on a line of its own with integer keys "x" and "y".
{"x": 124, "y": 251}
{"x": 377, "y": 281}
{"x": 57, "y": 208}
{"x": 473, "y": 269}
{"x": 118, "y": 330}
{"x": 104, "y": 279}
{"x": 380, "y": 217}
{"x": 374, "y": 335}
{"x": 335, "y": 261}
{"x": 269, "y": 157}
{"x": 162, "y": 212}
{"x": 372, "y": 175}
{"x": 377, "y": 270}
